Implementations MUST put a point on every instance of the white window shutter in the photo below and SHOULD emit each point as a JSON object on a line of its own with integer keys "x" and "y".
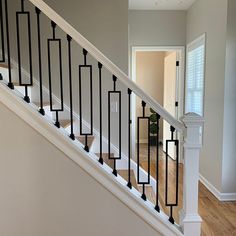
{"x": 195, "y": 76}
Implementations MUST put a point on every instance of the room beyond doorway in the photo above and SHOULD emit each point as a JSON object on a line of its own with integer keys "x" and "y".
{"x": 159, "y": 71}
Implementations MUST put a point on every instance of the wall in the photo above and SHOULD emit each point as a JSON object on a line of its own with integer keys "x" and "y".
{"x": 96, "y": 20}
{"x": 229, "y": 159}
{"x": 157, "y": 28}
{"x": 45, "y": 193}
{"x": 97, "y": 24}
{"x": 150, "y": 77}
{"x": 210, "y": 16}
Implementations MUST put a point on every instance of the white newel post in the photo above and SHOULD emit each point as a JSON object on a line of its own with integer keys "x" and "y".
{"x": 190, "y": 220}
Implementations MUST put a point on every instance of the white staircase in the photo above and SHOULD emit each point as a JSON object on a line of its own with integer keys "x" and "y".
{"x": 115, "y": 170}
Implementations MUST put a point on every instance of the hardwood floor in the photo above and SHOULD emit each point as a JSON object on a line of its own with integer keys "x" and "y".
{"x": 219, "y": 218}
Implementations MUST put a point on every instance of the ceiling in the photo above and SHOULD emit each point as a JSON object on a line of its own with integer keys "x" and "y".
{"x": 160, "y": 4}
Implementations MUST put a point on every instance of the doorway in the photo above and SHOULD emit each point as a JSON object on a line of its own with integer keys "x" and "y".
{"x": 159, "y": 71}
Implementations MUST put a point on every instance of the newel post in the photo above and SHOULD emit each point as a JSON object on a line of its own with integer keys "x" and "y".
{"x": 190, "y": 220}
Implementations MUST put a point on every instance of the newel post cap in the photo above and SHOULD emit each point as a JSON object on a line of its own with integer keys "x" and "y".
{"x": 193, "y": 131}
{"x": 192, "y": 119}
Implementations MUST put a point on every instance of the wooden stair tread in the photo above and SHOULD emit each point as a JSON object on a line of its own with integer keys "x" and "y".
{"x": 82, "y": 140}
{"x": 106, "y": 159}
{"x": 65, "y": 123}
{"x": 17, "y": 84}
{"x": 3, "y": 65}
{"x": 124, "y": 174}
{"x": 151, "y": 196}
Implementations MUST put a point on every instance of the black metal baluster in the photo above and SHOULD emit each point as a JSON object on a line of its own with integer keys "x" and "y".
{"x": 129, "y": 184}
{"x": 86, "y": 134}
{"x": 50, "y": 41}
{"x": 41, "y": 109}
{"x": 10, "y": 84}
{"x": 171, "y": 205}
{"x": 109, "y": 124}
{"x": 100, "y": 110}
{"x": 18, "y": 14}
{"x": 2, "y": 33}
{"x": 138, "y": 151}
{"x": 157, "y": 208}
{"x": 72, "y": 136}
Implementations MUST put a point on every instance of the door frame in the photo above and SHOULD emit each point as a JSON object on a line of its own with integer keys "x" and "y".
{"x": 180, "y": 85}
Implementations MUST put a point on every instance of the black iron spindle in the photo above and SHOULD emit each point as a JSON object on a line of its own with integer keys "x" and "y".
{"x": 129, "y": 184}
{"x": 109, "y": 124}
{"x": 41, "y": 109}
{"x": 18, "y": 15}
{"x": 100, "y": 110}
{"x": 2, "y": 32}
{"x": 86, "y": 134}
{"x": 10, "y": 84}
{"x": 171, "y": 205}
{"x": 138, "y": 151}
{"x": 157, "y": 207}
{"x": 58, "y": 41}
{"x": 72, "y": 136}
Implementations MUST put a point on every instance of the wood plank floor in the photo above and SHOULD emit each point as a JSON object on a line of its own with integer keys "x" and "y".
{"x": 219, "y": 218}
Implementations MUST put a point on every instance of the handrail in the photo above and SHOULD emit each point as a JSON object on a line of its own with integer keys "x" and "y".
{"x": 99, "y": 56}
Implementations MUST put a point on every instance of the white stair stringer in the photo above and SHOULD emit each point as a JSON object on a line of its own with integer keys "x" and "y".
{"x": 74, "y": 150}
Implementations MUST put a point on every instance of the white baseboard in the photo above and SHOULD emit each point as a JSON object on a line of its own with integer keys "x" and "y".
{"x": 223, "y": 197}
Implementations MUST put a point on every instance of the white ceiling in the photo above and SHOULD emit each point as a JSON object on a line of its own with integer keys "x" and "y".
{"x": 160, "y": 4}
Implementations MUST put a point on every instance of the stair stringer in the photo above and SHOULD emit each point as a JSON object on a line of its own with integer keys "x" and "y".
{"x": 74, "y": 151}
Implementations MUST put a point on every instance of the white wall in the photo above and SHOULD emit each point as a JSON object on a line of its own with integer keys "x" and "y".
{"x": 210, "y": 16}
{"x": 45, "y": 193}
{"x": 229, "y": 158}
{"x": 107, "y": 28}
{"x": 157, "y": 28}
{"x": 103, "y": 23}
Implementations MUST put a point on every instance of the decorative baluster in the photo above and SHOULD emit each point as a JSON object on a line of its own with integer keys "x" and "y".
{"x": 100, "y": 110}
{"x": 2, "y": 33}
{"x": 18, "y": 14}
{"x": 129, "y": 184}
{"x": 86, "y": 134}
{"x": 41, "y": 110}
{"x": 138, "y": 151}
{"x": 157, "y": 208}
{"x": 109, "y": 124}
{"x": 10, "y": 84}
{"x": 72, "y": 136}
{"x": 58, "y": 41}
{"x": 171, "y": 205}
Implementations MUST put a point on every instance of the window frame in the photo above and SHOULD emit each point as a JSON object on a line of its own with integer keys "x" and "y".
{"x": 190, "y": 47}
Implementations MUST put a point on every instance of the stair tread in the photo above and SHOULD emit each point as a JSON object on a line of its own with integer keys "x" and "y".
{"x": 17, "y": 84}
{"x": 124, "y": 174}
{"x": 149, "y": 193}
{"x": 3, "y": 65}
{"x": 82, "y": 140}
{"x": 65, "y": 123}
{"x": 106, "y": 159}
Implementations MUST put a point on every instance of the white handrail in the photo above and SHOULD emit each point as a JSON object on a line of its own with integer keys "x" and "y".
{"x": 99, "y": 56}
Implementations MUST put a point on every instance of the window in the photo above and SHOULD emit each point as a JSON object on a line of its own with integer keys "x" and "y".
{"x": 195, "y": 76}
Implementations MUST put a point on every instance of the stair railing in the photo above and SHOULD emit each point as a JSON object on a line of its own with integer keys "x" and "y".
{"x": 189, "y": 127}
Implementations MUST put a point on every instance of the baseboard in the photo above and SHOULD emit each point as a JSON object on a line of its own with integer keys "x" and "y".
{"x": 223, "y": 197}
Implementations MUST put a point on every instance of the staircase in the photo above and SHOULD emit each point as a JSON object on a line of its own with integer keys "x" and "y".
{"x": 146, "y": 187}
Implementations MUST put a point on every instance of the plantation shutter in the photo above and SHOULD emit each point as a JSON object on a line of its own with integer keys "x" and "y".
{"x": 195, "y": 76}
